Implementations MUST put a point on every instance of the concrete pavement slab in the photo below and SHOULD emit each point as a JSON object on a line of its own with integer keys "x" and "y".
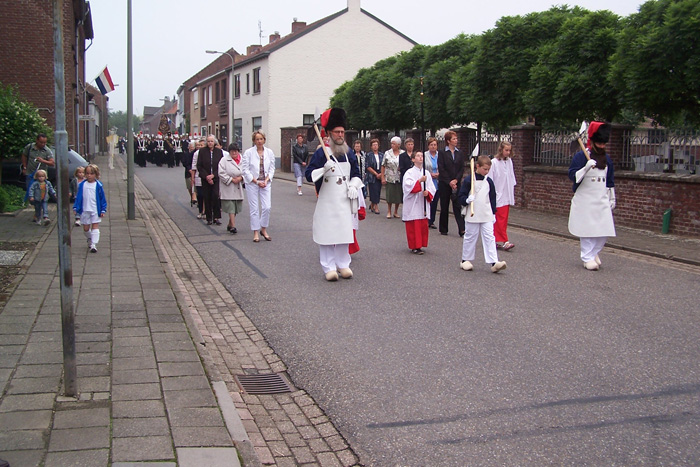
{"x": 24, "y": 457}
{"x": 151, "y": 448}
{"x": 20, "y": 440}
{"x": 140, "y": 427}
{"x": 137, "y": 409}
{"x": 77, "y": 439}
{"x": 26, "y": 420}
{"x": 136, "y": 392}
{"x": 27, "y": 402}
{"x": 190, "y": 398}
{"x": 81, "y": 418}
{"x": 83, "y": 458}
{"x": 211, "y": 457}
{"x": 34, "y": 385}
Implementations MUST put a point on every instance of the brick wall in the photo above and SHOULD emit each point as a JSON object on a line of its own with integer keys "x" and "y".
{"x": 642, "y": 198}
{"x": 26, "y": 55}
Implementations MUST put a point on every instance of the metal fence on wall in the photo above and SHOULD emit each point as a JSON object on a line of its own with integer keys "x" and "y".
{"x": 555, "y": 149}
{"x": 659, "y": 150}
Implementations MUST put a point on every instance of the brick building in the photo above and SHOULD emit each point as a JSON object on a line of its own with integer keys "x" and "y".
{"x": 26, "y": 61}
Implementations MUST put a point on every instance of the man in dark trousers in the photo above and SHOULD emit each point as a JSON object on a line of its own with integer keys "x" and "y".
{"x": 450, "y": 169}
{"x": 208, "y": 168}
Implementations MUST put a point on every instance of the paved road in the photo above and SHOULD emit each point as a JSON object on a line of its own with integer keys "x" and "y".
{"x": 419, "y": 363}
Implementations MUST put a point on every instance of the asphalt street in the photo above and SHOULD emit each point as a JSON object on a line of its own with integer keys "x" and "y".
{"x": 419, "y": 363}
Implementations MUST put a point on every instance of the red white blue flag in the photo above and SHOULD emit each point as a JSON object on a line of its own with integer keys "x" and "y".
{"x": 104, "y": 82}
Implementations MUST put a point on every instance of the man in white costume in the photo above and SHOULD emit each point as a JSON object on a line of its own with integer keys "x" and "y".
{"x": 336, "y": 173}
{"x": 590, "y": 217}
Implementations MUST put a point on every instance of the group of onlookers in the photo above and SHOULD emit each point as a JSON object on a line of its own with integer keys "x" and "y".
{"x": 216, "y": 180}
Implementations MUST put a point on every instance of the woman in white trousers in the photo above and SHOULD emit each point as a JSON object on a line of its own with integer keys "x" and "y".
{"x": 258, "y": 166}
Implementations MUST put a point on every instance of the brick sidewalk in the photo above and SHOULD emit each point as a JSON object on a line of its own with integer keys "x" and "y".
{"x": 158, "y": 340}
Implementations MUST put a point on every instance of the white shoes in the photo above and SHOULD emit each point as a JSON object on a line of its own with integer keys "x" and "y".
{"x": 345, "y": 273}
{"x": 597, "y": 260}
{"x": 499, "y": 266}
{"x": 466, "y": 265}
{"x": 93, "y": 248}
{"x": 591, "y": 265}
{"x": 332, "y": 276}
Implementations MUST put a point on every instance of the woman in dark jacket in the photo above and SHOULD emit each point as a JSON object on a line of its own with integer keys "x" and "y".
{"x": 373, "y": 167}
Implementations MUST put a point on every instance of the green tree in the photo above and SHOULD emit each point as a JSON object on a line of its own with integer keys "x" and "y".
{"x": 491, "y": 88}
{"x": 118, "y": 120}
{"x": 20, "y": 122}
{"x": 569, "y": 82}
{"x": 657, "y": 63}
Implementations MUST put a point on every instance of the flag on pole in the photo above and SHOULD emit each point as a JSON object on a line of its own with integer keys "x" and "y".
{"x": 104, "y": 82}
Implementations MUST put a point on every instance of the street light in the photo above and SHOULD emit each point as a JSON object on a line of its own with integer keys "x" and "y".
{"x": 232, "y": 129}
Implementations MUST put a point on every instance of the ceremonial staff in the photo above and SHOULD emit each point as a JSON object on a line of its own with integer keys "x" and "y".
{"x": 475, "y": 154}
{"x": 422, "y": 145}
{"x": 582, "y": 131}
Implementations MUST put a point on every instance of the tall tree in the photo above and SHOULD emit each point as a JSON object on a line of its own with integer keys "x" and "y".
{"x": 118, "y": 120}
{"x": 657, "y": 63}
{"x": 569, "y": 82}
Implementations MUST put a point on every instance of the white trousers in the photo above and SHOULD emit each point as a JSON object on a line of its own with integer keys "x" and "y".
{"x": 591, "y": 246}
{"x": 260, "y": 203}
{"x": 334, "y": 257}
{"x": 488, "y": 241}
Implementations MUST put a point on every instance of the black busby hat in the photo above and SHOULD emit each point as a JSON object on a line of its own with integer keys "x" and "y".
{"x": 599, "y": 132}
{"x": 333, "y": 118}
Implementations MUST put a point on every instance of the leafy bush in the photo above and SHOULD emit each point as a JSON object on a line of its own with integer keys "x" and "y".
{"x": 20, "y": 122}
{"x": 11, "y": 198}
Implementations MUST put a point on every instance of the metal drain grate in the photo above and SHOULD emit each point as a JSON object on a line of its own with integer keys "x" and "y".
{"x": 273, "y": 383}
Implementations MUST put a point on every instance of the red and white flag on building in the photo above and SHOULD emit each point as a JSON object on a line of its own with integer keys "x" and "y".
{"x": 104, "y": 82}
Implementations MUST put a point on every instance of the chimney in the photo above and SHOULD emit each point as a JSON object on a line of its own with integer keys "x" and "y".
{"x": 274, "y": 37}
{"x": 252, "y": 49}
{"x": 298, "y": 26}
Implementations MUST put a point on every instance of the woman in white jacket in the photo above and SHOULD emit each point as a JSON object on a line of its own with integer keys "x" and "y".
{"x": 258, "y": 166}
{"x": 230, "y": 188}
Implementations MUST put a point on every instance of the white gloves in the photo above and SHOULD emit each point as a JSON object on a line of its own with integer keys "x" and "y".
{"x": 328, "y": 165}
{"x": 317, "y": 174}
{"x": 583, "y": 171}
{"x": 470, "y": 199}
{"x": 352, "y": 192}
{"x": 611, "y": 197}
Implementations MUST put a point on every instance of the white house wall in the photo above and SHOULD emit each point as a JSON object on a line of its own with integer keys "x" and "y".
{"x": 302, "y": 75}
{"x": 251, "y": 105}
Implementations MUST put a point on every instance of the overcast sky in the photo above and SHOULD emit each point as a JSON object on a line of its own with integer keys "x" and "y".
{"x": 170, "y": 36}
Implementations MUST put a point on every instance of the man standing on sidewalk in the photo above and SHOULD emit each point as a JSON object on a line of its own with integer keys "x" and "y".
{"x": 33, "y": 156}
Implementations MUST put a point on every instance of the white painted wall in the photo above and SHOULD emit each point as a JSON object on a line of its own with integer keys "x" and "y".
{"x": 292, "y": 85}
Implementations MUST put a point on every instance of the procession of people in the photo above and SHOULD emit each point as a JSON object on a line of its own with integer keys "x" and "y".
{"x": 481, "y": 189}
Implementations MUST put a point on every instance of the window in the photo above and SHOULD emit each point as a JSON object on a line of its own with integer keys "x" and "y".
{"x": 238, "y": 128}
{"x": 247, "y": 83}
{"x": 223, "y": 89}
{"x": 217, "y": 93}
{"x": 237, "y": 86}
{"x": 257, "y": 123}
{"x": 195, "y": 98}
{"x": 209, "y": 96}
{"x": 256, "y": 81}
{"x": 204, "y": 132}
{"x": 308, "y": 119}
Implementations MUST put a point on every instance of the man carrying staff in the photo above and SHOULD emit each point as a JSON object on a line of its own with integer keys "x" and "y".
{"x": 337, "y": 177}
{"x": 590, "y": 217}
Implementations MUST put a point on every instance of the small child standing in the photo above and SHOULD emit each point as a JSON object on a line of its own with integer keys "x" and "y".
{"x": 484, "y": 203}
{"x": 91, "y": 205}
{"x": 78, "y": 177}
{"x": 418, "y": 191}
{"x": 503, "y": 176}
{"x": 39, "y": 196}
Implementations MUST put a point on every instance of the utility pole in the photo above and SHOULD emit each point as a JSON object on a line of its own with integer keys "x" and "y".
{"x": 64, "y": 223}
{"x": 130, "y": 200}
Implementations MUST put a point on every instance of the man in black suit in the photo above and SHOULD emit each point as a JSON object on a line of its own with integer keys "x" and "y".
{"x": 450, "y": 169}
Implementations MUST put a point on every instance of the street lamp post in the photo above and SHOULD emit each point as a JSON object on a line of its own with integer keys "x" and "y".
{"x": 231, "y": 119}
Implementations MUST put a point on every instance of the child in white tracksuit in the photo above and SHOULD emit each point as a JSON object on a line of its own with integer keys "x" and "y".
{"x": 484, "y": 203}
{"x": 91, "y": 205}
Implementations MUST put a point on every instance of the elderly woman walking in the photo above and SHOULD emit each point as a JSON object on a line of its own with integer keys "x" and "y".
{"x": 391, "y": 178}
{"x": 230, "y": 189}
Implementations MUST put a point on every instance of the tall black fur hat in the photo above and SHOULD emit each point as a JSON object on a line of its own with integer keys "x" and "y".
{"x": 333, "y": 118}
{"x": 599, "y": 132}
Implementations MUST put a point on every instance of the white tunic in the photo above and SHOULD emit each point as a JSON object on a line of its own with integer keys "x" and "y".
{"x": 503, "y": 176}
{"x": 482, "y": 204}
{"x": 332, "y": 224}
{"x": 590, "y": 214}
{"x": 414, "y": 206}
